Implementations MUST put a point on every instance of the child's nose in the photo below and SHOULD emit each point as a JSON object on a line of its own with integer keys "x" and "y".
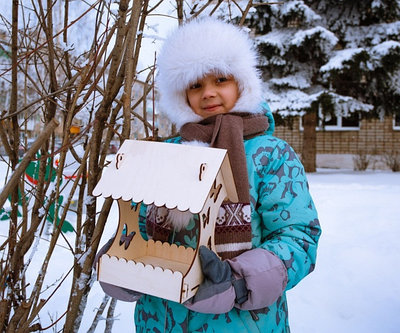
{"x": 209, "y": 90}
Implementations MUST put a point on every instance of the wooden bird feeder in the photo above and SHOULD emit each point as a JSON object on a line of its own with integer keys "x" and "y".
{"x": 185, "y": 177}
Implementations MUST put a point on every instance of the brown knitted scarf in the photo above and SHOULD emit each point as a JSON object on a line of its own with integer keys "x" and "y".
{"x": 228, "y": 131}
{"x": 233, "y": 233}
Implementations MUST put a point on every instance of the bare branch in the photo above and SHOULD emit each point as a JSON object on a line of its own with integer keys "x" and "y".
{"x": 27, "y": 158}
{"x": 57, "y": 34}
{"x": 99, "y": 313}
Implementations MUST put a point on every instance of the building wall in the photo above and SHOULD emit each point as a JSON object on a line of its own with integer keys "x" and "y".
{"x": 375, "y": 137}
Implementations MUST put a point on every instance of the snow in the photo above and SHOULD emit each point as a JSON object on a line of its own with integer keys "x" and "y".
{"x": 292, "y": 81}
{"x": 354, "y": 288}
{"x": 376, "y": 4}
{"x": 324, "y": 34}
{"x": 337, "y": 61}
{"x": 289, "y": 102}
{"x": 372, "y": 34}
{"x": 278, "y": 38}
{"x": 339, "y": 58}
{"x": 395, "y": 82}
{"x": 299, "y": 7}
{"x": 293, "y": 102}
{"x": 346, "y": 104}
{"x": 385, "y": 48}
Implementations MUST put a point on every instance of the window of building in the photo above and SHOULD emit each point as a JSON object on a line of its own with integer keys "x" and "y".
{"x": 396, "y": 122}
{"x": 339, "y": 123}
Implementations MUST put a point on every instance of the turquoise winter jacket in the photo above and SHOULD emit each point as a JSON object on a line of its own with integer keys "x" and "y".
{"x": 284, "y": 221}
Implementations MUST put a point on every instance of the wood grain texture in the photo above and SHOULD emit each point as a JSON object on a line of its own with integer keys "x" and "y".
{"x": 187, "y": 177}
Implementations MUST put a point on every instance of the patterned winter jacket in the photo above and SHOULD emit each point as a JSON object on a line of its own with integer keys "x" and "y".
{"x": 284, "y": 221}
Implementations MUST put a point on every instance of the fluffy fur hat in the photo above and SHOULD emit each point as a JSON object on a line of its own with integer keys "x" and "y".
{"x": 200, "y": 47}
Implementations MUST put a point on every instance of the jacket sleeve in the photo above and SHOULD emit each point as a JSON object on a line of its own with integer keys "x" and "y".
{"x": 289, "y": 222}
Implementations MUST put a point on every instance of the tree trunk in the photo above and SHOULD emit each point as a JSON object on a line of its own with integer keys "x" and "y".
{"x": 309, "y": 152}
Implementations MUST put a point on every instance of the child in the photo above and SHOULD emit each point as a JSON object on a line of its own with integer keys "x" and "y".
{"x": 210, "y": 88}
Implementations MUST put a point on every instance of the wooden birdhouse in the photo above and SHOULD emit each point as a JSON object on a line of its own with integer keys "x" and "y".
{"x": 191, "y": 178}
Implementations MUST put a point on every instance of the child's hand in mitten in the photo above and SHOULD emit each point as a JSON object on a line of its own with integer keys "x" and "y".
{"x": 220, "y": 290}
{"x": 253, "y": 280}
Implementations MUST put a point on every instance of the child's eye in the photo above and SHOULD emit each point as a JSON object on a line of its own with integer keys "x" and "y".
{"x": 195, "y": 85}
{"x": 222, "y": 79}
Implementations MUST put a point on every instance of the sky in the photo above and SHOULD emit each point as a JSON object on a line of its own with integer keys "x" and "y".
{"x": 80, "y": 34}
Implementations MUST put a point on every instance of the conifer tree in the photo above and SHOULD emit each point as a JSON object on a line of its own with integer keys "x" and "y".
{"x": 329, "y": 60}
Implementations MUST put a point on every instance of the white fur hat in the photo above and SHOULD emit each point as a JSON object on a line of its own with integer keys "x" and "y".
{"x": 200, "y": 47}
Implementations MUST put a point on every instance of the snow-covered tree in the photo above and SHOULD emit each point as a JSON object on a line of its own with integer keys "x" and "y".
{"x": 328, "y": 60}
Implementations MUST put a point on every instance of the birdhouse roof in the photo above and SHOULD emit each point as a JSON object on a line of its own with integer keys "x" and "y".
{"x": 165, "y": 174}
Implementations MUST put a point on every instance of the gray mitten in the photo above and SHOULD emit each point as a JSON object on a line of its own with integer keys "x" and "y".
{"x": 120, "y": 293}
{"x": 220, "y": 290}
{"x": 253, "y": 280}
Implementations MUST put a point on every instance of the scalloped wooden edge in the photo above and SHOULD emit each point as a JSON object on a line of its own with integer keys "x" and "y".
{"x": 170, "y": 251}
{"x": 158, "y": 281}
{"x": 117, "y": 181}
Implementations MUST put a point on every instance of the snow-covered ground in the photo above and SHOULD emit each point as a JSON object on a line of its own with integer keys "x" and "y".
{"x": 355, "y": 287}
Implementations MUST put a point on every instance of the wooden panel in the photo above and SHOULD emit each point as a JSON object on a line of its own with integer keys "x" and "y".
{"x": 160, "y": 269}
{"x": 173, "y": 265}
{"x": 170, "y": 252}
{"x": 228, "y": 181}
{"x": 162, "y": 173}
{"x": 144, "y": 278}
{"x": 186, "y": 177}
{"x": 121, "y": 247}
{"x": 208, "y": 217}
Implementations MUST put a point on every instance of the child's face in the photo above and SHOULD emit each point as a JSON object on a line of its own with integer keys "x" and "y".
{"x": 213, "y": 94}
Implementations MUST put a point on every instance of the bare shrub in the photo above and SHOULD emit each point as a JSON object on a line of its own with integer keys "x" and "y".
{"x": 362, "y": 160}
{"x": 392, "y": 160}
{"x": 49, "y": 80}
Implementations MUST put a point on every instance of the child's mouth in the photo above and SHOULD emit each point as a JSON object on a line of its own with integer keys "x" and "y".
{"x": 211, "y": 108}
